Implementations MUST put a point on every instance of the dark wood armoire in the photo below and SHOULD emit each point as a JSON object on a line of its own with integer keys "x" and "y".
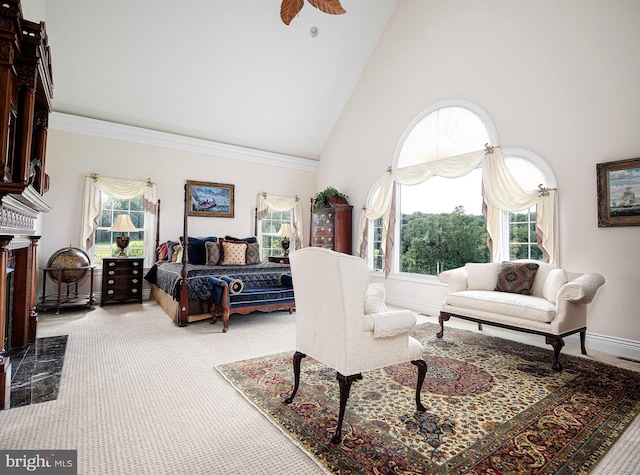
{"x": 331, "y": 227}
{"x": 25, "y": 103}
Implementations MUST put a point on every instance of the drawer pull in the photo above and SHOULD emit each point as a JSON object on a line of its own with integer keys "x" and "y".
{"x": 111, "y": 272}
{"x": 110, "y": 282}
{"x": 110, "y": 292}
{"x": 136, "y": 264}
{"x": 135, "y": 272}
{"x": 112, "y": 264}
{"x": 135, "y": 281}
{"x": 134, "y": 291}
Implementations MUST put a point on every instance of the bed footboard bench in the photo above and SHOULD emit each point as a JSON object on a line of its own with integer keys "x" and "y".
{"x": 229, "y": 296}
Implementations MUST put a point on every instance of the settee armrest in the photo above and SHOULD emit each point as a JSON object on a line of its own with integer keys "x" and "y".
{"x": 456, "y": 279}
{"x": 387, "y": 324}
{"x": 582, "y": 289}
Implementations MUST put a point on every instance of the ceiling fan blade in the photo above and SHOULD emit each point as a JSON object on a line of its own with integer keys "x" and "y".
{"x": 332, "y": 7}
{"x": 289, "y": 9}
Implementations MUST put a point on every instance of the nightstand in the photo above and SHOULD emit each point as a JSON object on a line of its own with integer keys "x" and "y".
{"x": 122, "y": 279}
{"x": 279, "y": 259}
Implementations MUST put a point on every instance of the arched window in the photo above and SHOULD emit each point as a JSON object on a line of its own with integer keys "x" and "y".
{"x": 453, "y": 197}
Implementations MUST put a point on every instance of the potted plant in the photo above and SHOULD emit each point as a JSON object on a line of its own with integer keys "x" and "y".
{"x": 329, "y": 197}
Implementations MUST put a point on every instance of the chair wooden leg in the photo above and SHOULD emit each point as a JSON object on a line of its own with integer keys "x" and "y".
{"x": 441, "y": 319}
{"x": 297, "y": 358}
{"x": 422, "y": 372}
{"x": 345, "y": 383}
{"x": 557, "y": 343}
{"x": 583, "y": 337}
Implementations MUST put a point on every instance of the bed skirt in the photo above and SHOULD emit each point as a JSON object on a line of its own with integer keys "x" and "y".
{"x": 171, "y": 306}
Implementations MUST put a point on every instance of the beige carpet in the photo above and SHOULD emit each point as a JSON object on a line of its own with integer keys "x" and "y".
{"x": 140, "y": 395}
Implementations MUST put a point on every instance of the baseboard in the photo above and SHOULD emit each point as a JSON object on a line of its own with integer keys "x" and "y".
{"x": 628, "y": 349}
{"x": 415, "y": 305}
{"x": 621, "y": 347}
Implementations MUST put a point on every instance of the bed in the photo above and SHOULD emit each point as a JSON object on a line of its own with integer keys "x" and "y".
{"x": 183, "y": 289}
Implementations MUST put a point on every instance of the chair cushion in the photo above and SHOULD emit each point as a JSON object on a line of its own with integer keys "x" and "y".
{"x": 261, "y": 296}
{"x": 482, "y": 276}
{"x": 516, "y": 305}
{"x": 516, "y": 278}
{"x": 555, "y": 279}
{"x": 374, "y": 299}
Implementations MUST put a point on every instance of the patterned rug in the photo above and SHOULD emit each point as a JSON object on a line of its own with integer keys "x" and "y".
{"x": 493, "y": 407}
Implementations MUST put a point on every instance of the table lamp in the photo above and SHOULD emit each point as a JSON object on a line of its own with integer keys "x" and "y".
{"x": 286, "y": 233}
{"x": 123, "y": 225}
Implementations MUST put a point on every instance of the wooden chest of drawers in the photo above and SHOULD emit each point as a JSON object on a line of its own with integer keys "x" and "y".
{"x": 331, "y": 228}
{"x": 122, "y": 280}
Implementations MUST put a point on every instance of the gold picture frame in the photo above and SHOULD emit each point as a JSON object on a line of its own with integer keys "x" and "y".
{"x": 619, "y": 193}
{"x": 210, "y": 199}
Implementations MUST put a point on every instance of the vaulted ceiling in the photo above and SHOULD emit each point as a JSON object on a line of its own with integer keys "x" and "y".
{"x": 228, "y": 71}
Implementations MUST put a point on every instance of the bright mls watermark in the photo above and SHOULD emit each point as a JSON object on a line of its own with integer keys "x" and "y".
{"x": 51, "y": 462}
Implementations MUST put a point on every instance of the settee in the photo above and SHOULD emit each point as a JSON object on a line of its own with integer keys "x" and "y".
{"x": 231, "y": 295}
{"x": 528, "y": 296}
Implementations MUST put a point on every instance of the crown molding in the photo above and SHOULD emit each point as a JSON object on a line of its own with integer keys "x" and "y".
{"x": 111, "y": 130}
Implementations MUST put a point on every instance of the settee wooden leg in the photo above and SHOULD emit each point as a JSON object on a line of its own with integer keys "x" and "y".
{"x": 583, "y": 337}
{"x": 557, "y": 343}
{"x": 225, "y": 320}
{"x": 297, "y": 358}
{"x": 422, "y": 372}
{"x": 345, "y": 383}
{"x": 441, "y": 319}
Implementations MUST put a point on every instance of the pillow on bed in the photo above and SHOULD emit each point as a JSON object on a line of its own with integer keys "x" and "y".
{"x": 253, "y": 253}
{"x": 177, "y": 253}
{"x": 162, "y": 252}
{"x": 170, "y": 251}
{"x": 213, "y": 253}
{"x": 249, "y": 240}
{"x": 234, "y": 253}
{"x": 195, "y": 247}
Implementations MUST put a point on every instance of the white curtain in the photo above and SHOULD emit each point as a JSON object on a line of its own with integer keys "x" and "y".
{"x": 268, "y": 202}
{"x": 121, "y": 189}
{"x": 502, "y": 192}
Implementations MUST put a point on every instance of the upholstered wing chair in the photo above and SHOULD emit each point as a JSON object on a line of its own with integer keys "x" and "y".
{"x": 342, "y": 322}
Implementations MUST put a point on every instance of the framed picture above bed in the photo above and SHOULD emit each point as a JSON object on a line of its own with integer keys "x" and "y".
{"x": 210, "y": 199}
{"x": 619, "y": 193}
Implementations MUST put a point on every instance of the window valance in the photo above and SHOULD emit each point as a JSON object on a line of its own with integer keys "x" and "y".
{"x": 122, "y": 189}
{"x": 501, "y": 193}
{"x": 283, "y": 203}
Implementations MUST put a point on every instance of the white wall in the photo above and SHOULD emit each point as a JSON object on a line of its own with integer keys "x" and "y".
{"x": 71, "y": 156}
{"x": 559, "y": 78}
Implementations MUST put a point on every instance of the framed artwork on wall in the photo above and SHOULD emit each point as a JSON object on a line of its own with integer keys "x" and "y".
{"x": 619, "y": 193}
{"x": 210, "y": 199}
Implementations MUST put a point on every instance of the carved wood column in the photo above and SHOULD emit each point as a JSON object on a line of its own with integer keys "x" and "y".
{"x": 5, "y": 361}
{"x": 27, "y": 77}
{"x": 33, "y": 288}
{"x": 39, "y": 180}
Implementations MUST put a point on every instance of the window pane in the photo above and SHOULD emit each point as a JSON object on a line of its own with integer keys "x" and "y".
{"x": 442, "y": 225}
{"x": 269, "y": 229}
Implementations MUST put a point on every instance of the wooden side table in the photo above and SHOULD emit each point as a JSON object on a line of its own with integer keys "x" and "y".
{"x": 279, "y": 259}
{"x": 122, "y": 279}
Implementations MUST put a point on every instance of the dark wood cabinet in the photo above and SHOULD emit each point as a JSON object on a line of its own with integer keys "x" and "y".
{"x": 122, "y": 280}
{"x": 26, "y": 90}
{"x": 331, "y": 228}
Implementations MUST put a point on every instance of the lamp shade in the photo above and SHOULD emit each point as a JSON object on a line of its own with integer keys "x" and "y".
{"x": 285, "y": 230}
{"x": 123, "y": 224}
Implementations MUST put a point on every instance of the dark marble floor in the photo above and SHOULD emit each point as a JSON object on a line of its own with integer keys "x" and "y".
{"x": 36, "y": 371}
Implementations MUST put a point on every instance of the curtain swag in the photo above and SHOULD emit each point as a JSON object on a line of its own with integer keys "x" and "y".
{"x": 501, "y": 193}
{"x": 283, "y": 203}
{"x": 121, "y": 189}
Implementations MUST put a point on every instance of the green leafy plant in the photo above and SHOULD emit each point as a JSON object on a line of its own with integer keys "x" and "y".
{"x": 320, "y": 198}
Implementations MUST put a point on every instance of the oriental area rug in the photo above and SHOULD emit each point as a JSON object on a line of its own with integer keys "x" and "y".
{"x": 493, "y": 406}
